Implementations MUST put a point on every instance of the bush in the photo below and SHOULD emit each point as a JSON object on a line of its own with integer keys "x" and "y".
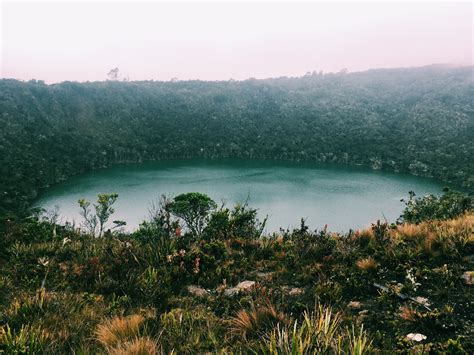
{"x": 450, "y": 205}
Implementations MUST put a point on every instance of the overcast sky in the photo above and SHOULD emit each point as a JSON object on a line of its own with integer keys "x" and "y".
{"x": 55, "y": 41}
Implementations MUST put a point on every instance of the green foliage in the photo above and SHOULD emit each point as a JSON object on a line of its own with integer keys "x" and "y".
{"x": 319, "y": 332}
{"x": 179, "y": 291}
{"x": 27, "y": 341}
{"x": 51, "y": 132}
{"x": 95, "y": 222}
{"x": 190, "y": 331}
{"x": 193, "y": 208}
{"x": 160, "y": 224}
{"x": 450, "y": 205}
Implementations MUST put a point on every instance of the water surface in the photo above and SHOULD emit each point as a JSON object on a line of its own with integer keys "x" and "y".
{"x": 340, "y": 196}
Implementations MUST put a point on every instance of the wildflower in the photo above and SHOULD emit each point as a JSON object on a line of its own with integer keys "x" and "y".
{"x": 410, "y": 277}
{"x": 416, "y": 337}
{"x": 66, "y": 240}
{"x": 169, "y": 258}
{"x": 182, "y": 253}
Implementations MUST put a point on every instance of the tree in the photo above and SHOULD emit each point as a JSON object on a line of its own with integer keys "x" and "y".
{"x": 113, "y": 74}
{"x": 95, "y": 222}
{"x": 193, "y": 208}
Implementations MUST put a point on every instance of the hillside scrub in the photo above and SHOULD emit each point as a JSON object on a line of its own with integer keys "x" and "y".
{"x": 168, "y": 288}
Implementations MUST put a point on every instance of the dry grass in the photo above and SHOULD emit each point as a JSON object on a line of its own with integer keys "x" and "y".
{"x": 436, "y": 237}
{"x": 409, "y": 230}
{"x": 256, "y": 321}
{"x": 137, "y": 346}
{"x": 463, "y": 225}
{"x": 119, "y": 330}
{"x": 363, "y": 236}
{"x": 367, "y": 264}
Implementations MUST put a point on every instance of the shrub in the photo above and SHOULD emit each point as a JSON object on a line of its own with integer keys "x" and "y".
{"x": 450, "y": 205}
{"x": 193, "y": 208}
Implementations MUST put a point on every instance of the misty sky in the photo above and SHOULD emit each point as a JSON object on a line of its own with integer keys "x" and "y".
{"x": 210, "y": 41}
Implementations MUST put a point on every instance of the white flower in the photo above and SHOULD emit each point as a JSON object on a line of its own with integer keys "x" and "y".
{"x": 410, "y": 277}
{"x": 416, "y": 337}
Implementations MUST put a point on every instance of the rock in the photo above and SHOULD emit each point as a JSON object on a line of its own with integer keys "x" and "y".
{"x": 296, "y": 291}
{"x": 354, "y": 304}
{"x": 468, "y": 277}
{"x": 416, "y": 337}
{"x": 423, "y": 301}
{"x": 265, "y": 275}
{"x": 244, "y": 286}
{"x": 198, "y": 291}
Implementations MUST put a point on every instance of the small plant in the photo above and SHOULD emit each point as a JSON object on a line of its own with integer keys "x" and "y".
{"x": 318, "y": 333}
{"x": 28, "y": 340}
{"x": 367, "y": 264}
{"x": 119, "y": 330}
{"x": 257, "y": 321}
{"x": 358, "y": 342}
{"x": 187, "y": 331}
{"x": 408, "y": 314}
{"x": 137, "y": 346}
{"x": 95, "y": 222}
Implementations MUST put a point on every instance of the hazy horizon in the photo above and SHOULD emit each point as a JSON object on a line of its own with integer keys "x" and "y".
{"x": 58, "y": 42}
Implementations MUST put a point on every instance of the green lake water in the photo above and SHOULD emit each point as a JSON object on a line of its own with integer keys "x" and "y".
{"x": 340, "y": 196}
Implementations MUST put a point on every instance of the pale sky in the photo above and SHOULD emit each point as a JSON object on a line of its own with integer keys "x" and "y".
{"x": 82, "y": 41}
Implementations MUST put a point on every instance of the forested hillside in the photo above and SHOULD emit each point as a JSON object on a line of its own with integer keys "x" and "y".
{"x": 412, "y": 120}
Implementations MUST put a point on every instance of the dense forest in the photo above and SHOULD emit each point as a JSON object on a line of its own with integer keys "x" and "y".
{"x": 418, "y": 120}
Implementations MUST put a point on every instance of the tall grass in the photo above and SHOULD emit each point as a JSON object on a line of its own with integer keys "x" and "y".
{"x": 319, "y": 332}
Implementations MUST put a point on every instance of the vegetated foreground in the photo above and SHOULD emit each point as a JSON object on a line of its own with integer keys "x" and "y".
{"x": 201, "y": 278}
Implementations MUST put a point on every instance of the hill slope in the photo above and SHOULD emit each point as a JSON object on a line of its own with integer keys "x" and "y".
{"x": 417, "y": 120}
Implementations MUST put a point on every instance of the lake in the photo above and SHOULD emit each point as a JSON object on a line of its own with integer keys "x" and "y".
{"x": 342, "y": 197}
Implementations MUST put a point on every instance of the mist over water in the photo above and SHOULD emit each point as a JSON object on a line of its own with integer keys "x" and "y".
{"x": 342, "y": 197}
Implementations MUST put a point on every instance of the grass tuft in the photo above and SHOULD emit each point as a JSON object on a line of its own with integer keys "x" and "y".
{"x": 119, "y": 330}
